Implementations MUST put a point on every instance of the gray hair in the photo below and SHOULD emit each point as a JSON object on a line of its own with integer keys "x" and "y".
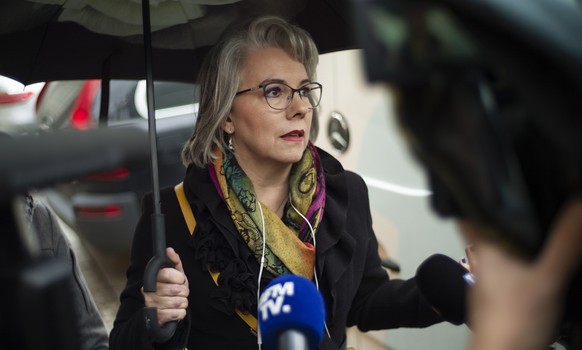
{"x": 220, "y": 74}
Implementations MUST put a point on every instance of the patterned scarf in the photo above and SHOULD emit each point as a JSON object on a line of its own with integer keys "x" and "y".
{"x": 289, "y": 247}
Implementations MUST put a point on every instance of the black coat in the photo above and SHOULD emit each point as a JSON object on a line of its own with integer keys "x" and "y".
{"x": 356, "y": 289}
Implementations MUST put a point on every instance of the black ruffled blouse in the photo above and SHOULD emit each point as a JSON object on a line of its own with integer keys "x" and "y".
{"x": 226, "y": 252}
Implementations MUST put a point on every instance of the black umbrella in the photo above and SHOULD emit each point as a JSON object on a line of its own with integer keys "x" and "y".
{"x": 41, "y": 43}
{"x": 69, "y": 41}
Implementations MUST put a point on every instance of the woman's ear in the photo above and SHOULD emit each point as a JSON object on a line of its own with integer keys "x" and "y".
{"x": 229, "y": 125}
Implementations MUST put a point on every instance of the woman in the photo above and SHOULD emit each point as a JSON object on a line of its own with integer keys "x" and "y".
{"x": 254, "y": 176}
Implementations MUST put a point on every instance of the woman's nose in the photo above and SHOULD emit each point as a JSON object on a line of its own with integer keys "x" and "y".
{"x": 298, "y": 106}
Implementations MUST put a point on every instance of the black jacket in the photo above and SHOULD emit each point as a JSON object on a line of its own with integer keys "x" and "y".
{"x": 356, "y": 289}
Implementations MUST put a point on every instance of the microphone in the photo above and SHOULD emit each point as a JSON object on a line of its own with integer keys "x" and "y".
{"x": 291, "y": 314}
{"x": 443, "y": 282}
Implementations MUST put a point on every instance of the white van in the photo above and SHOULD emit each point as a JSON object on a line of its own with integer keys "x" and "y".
{"x": 357, "y": 125}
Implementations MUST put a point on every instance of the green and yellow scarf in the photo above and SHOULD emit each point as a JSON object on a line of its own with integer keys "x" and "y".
{"x": 288, "y": 246}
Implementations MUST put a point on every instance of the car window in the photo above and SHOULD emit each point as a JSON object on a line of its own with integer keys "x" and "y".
{"x": 171, "y": 99}
{"x": 78, "y": 103}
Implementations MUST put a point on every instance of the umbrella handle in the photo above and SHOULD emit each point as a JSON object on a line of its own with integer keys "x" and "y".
{"x": 159, "y": 333}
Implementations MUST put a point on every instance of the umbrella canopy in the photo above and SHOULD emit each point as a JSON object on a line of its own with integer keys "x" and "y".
{"x": 44, "y": 40}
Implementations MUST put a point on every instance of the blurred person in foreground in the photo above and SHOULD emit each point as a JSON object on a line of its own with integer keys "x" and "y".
{"x": 517, "y": 304}
{"x": 41, "y": 226}
{"x": 489, "y": 102}
{"x": 54, "y": 244}
{"x": 267, "y": 202}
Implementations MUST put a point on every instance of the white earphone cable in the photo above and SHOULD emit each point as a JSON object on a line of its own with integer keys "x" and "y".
{"x": 314, "y": 247}
{"x": 262, "y": 265}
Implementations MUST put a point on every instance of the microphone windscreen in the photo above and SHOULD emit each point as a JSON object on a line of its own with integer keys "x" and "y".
{"x": 443, "y": 282}
{"x": 291, "y": 303}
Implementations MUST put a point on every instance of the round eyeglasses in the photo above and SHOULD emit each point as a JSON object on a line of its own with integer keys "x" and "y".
{"x": 279, "y": 95}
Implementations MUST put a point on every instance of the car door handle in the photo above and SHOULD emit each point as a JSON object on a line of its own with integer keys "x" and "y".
{"x": 390, "y": 264}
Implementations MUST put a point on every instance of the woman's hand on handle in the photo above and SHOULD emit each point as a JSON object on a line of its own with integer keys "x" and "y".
{"x": 171, "y": 295}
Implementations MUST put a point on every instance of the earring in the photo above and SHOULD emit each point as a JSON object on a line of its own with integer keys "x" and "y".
{"x": 230, "y": 145}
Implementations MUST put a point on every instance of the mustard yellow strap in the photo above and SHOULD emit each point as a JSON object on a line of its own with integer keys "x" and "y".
{"x": 185, "y": 206}
{"x": 249, "y": 319}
